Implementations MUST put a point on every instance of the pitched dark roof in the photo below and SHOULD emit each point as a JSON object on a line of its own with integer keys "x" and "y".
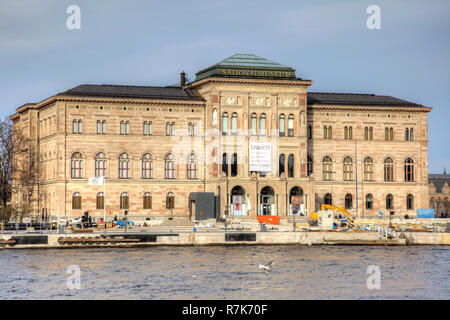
{"x": 357, "y": 99}
{"x": 118, "y": 91}
{"x": 439, "y": 180}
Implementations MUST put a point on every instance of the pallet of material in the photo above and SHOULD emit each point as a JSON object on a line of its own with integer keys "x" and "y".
{"x": 83, "y": 230}
{"x": 97, "y": 240}
{"x": 8, "y": 241}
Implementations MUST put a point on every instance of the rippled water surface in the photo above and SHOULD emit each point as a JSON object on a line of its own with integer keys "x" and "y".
{"x": 227, "y": 272}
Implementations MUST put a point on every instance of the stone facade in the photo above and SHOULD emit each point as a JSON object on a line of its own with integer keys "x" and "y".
{"x": 439, "y": 194}
{"x": 188, "y": 133}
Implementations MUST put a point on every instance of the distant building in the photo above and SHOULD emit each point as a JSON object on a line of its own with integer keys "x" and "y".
{"x": 245, "y": 136}
{"x": 439, "y": 194}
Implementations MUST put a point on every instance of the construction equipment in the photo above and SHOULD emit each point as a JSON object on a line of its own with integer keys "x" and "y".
{"x": 350, "y": 217}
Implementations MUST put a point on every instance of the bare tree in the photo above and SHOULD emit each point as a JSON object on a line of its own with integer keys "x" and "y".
{"x": 25, "y": 170}
{"x": 6, "y": 154}
{"x": 18, "y": 165}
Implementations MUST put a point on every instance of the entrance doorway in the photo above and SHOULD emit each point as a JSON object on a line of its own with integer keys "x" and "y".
{"x": 296, "y": 202}
{"x": 267, "y": 202}
{"x": 239, "y": 202}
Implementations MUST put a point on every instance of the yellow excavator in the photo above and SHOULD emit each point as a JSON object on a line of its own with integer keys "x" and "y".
{"x": 350, "y": 217}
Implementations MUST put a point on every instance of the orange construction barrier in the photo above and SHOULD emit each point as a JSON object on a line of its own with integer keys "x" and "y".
{"x": 269, "y": 219}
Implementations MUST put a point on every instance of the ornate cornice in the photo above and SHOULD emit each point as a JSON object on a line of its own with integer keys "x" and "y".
{"x": 313, "y": 107}
{"x": 250, "y": 81}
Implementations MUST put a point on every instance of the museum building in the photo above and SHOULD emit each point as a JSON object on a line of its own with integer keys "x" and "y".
{"x": 245, "y": 138}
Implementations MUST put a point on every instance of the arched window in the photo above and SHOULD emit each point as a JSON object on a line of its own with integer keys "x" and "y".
{"x": 348, "y": 201}
{"x": 262, "y": 124}
{"x": 150, "y": 128}
{"x": 145, "y": 128}
{"x": 411, "y": 134}
{"x": 253, "y": 129}
{"x": 291, "y": 125}
{"x": 389, "y": 201}
{"x": 74, "y": 126}
{"x": 309, "y": 165}
{"x": 190, "y": 129}
{"x": 327, "y": 199}
{"x": 281, "y": 125}
{"x": 124, "y": 166}
{"x": 348, "y": 169}
{"x": 224, "y": 123}
{"x": 410, "y": 202}
{"x": 124, "y": 201}
{"x": 170, "y": 201}
{"x": 169, "y": 167}
{"x": 172, "y": 129}
{"x": 100, "y": 165}
{"x": 127, "y": 127}
{"x": 327, "y": 168}
{"x": 391, "y": 134}
{"x": 147, "y": 200}
{"x": 147, "y": 166}
{"x": 234, "y": 123}
{"x": 122, "y": 127}
{"x": 407, "y": 134}
{"x": 100, "y": 201}
{"x": 80, "y": 126}
{"x": 167, "y": 129}
{"x": 368, "y": 133}
{"x": 104, "y": 127}
{"x": 388, "y": 169}
{"x": 369, "y": 201}
{"x": 328, "y": 132}
{"x": 76, "y": 201}
{"x": 348, "y": 133}
{"x": 99, "y": 127}
{"x": 368, "y": 169}
{"x": 76, "y": 166}
{"x": 225, "y": 163}
{"x": 409, "y": 170}
{"x": 192, "y": 171}
{"x": 281, "y": 164}
{"x": 291, "y": 166}
{"x": 234, "y": 165}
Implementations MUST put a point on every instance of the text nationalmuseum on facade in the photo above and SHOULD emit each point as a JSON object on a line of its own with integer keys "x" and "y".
{"x": 245, "y": 138}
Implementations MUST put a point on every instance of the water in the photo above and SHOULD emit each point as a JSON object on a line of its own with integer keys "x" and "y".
{"x": 227, "y": 272}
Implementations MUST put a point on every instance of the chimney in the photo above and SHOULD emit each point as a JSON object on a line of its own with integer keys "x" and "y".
{"x": 182, "y": 79}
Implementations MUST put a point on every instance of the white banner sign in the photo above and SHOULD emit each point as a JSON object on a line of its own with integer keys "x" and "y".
{"x": 260, "y": 156}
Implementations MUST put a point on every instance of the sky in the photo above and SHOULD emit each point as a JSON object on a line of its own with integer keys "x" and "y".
{"x": 142, "y": 42}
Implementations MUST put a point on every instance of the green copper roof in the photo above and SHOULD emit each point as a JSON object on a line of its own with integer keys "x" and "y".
{"x": 249, "y": 60}
{"x": 247, "y": 66}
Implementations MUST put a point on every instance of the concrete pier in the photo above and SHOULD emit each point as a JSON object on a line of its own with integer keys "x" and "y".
{"x": 199, "y": 238}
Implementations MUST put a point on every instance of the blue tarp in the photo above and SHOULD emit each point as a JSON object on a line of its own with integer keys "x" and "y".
{"x": 425, "y": 213}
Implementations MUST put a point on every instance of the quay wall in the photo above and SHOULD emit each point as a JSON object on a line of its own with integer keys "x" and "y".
{"x": 228, "y": 238}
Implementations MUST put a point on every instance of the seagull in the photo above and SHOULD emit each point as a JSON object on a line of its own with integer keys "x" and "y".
{"x": 266, "y": 267}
